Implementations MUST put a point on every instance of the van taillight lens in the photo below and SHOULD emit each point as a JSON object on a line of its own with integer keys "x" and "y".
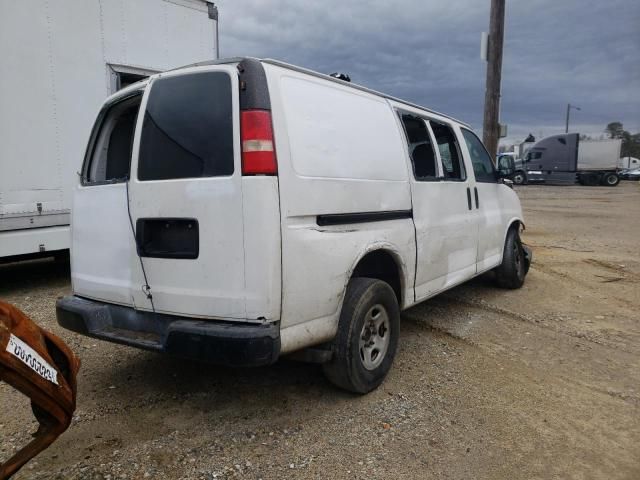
{"x": 256, "y": 135}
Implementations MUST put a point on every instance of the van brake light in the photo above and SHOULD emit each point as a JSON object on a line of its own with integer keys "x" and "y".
{"x": 256, "y": 135}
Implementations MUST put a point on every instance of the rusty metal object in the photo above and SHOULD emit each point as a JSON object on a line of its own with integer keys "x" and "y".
{"x": 41, "y": 366}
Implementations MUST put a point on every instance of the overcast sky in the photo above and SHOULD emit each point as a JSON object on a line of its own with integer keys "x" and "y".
{"x": 426, "y": 51}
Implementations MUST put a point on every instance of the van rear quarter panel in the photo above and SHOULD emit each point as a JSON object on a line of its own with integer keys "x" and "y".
{"x": 262, "y": 247}
{"x": 339, "y": 151}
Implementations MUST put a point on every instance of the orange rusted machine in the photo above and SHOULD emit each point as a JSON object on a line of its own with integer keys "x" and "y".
{"x": 41, "y": 366}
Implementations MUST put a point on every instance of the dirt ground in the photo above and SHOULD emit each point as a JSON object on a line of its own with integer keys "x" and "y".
{"x": 542, "y": 382}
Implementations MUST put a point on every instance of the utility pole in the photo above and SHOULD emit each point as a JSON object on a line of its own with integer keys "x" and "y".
{"x": 490, "y": 126}
{"x": 566, "y": 125}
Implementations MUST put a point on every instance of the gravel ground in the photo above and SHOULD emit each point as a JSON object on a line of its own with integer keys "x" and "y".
{"x": 543, "y": 382}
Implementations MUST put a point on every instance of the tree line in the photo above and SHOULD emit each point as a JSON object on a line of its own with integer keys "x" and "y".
{"x": 630, "y": 142}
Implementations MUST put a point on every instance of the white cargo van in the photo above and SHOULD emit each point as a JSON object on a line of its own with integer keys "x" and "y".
{"x": 240, "y": 210}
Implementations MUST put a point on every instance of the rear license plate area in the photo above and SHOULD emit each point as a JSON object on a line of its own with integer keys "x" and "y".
{"x": 177, "y": 238}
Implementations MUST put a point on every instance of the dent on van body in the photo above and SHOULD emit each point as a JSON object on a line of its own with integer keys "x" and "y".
{"x": 317, "y": 265}
{"x": 320, "y": 287}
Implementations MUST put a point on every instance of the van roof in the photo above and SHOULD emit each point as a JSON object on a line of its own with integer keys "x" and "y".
{"x": 289, "y": 66}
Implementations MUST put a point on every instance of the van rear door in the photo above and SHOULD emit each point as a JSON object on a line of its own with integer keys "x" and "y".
{"x": 185, "y": 195}
{"x": 102, "y": 249}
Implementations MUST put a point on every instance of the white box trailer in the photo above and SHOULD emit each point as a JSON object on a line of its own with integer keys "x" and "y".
{"x": 599, "y": 154}
{"x": 60, "y": 60}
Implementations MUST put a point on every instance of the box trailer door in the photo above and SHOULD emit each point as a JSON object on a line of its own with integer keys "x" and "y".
{"x": 185, "y": 195}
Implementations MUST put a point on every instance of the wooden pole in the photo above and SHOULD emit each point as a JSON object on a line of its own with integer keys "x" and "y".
{"x": 491, "y": 127}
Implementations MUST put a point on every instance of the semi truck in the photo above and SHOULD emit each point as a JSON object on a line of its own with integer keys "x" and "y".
{"x": 566, "y": 159}
{"x": 60, "y": 61}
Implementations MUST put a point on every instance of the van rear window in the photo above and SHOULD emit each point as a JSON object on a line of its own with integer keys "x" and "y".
{"x": 111, "y": 143}
{"x": 188, "y": 128}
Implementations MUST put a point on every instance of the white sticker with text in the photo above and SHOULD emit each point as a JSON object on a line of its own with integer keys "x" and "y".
{"x": 31, "y": 359}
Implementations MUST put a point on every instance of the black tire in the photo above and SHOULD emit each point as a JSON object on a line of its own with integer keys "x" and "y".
{"x": 511, "y": 273}
{"x": 610, "y": 180}
{"x": 520, "y": 178}
{"x": 347, "y": 367}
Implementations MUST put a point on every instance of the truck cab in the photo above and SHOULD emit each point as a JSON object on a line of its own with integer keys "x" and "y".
{"x": 519, "y": 176}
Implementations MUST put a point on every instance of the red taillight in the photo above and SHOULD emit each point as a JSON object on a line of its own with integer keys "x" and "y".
{"x": 256, "y": 135}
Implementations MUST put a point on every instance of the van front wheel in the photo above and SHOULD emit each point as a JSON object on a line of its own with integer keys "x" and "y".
{"x": 367, "y": 338}
{"x": 511, "y": 273}
{"x": 520, "y": 178}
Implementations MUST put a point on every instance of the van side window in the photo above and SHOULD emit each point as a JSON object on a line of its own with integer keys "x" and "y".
{"x": 483, "y": 168}
{"x": 110, "y": 151}
{"x": 188, "y": 128}
{"x": 423, "y": 157}
{"x": 452, "y": 165}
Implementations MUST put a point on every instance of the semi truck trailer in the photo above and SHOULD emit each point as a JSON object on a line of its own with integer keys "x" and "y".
{"x": 60, "y": 60}
{"x": 566, "y": 159}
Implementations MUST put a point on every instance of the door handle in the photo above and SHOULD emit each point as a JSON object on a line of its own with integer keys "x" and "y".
{"x": 475, "y": 190}
{"x": 469, "y": 198}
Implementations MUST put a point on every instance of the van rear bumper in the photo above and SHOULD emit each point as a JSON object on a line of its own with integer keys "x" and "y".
{"x": 218, "y": 342}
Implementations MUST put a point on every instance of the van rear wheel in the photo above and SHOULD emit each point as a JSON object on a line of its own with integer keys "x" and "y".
{"x": 367, "y": 338}
{"x": 511, "y": 272}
